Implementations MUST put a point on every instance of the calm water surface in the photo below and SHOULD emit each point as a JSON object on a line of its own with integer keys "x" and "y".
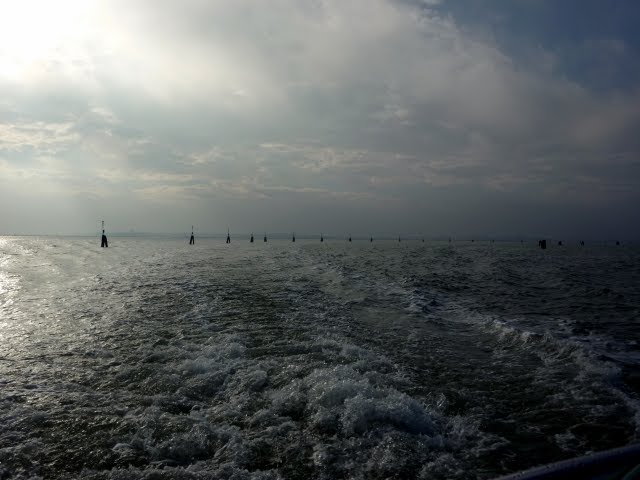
{"x": 154, "y": 359}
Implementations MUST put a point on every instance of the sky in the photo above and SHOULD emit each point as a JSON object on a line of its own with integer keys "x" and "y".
{"x": 427, "y": 117}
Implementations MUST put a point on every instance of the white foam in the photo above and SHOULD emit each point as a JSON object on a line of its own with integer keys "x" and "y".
{"x": 584, "y": 384}
{"x": 348, "y": 409}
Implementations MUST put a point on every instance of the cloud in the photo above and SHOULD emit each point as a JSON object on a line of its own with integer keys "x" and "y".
{"x": 348, "y": 101}
{"x": 37, "y": 136}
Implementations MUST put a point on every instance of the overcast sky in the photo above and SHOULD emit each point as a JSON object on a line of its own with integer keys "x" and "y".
{"x": 450, "y": 117}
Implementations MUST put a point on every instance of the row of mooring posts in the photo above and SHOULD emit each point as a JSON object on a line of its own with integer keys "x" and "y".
{"x": 251, "y": 239}
{"x": 543, "y": 243}
{"x": 104, "y": 243}
{"x": 293, "y": 238}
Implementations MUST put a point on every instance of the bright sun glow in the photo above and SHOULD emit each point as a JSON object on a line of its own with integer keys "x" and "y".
{"x": 38, "y": 34}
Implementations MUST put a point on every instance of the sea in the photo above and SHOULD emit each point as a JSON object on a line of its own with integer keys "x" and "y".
{"x": 154, "y": 359}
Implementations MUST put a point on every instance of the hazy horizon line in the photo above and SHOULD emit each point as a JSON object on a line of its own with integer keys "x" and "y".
{"x": 331, "y": 236}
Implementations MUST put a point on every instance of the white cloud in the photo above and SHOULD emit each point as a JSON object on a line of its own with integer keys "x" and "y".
{"x": 39, "y": 136}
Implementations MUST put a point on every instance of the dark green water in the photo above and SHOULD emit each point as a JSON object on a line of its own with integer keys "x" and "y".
{"x": 154, "y": 359}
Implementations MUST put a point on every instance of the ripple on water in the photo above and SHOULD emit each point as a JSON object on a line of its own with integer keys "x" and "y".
{"x": 317, "y": 362}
